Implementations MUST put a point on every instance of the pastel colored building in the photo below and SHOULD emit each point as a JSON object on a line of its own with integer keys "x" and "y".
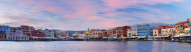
{"x": 3, "y": 35}
{"x": 26, "y": 29}
{"x": 48, "y": 33}
{"x": 5, "y": 29}
{"x": 36, "y": 33}
{"x": 120, "y": 31}
{"x": 78, "y": 35}
{"x": 170, "y": 31}
{"x": 179, "y": 27}
{"x": 134, "y": 31}
{"x": 129, "y": 31}
{"x": 109, "y": 33}
{"x": 97, "y": 34}
{"x": 164, "y": 32}
{"x": 105, "y": 34}
{"x": 13, "y": 29}
{"x": 187, "y": 30}
{"x": 155, "y": 32}
{"x": 58, "y": 33}
{"x": 145, "y": 30}
{"x": 88, "y": 34}
{"x": 163, "y": 27}
{"x": 18, "y": 35}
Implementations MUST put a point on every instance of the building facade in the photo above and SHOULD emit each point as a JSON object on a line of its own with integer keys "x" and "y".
{"x": 129, "y": 32}
{"x": 3, "y": 35}
{"x": 18, "y": 35}
{"x": 97, "y": 34}
{"x": 145, "y": 30}
{"x": 48, "y": 33}
{"x": 134, "y": 31}
{"x": 164, "y": 32}
{"x": 163, "y": 27}
{"x": 13, "y": 29}
{"x": 5, "y": 29}
{"x": 155, "y": 32}
{"x": 109, "y": 33}
{"x": 26, "y": 29}
{"x": 120, "y": 31}
{"x": 170, "y": 31}
{"x": 36, "y": 33}
{"x": 179, "y": 27}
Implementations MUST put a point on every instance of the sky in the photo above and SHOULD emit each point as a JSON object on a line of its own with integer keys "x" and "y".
{"x": 93, "y": 14}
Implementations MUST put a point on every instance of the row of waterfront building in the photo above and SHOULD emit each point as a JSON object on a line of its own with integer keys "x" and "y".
{"x": 25, "y": 32}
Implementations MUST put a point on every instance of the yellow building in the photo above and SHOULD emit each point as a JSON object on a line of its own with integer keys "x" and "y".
{"x": 88, "y": 35}
{"x": 187, "y": 30}
{"x": 155, "y": 32}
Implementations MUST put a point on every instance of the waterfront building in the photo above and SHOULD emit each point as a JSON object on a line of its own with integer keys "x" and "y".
{"x": 155, "y": 32}
{"x": 145, "y": 30}
{"x": 97, "y": 34}
{"x": 5, "y": 29}
{"x": 164, "y": 32}
{"x": 179, "y": 27}
{"x": 13, "y": 29}
{"x": 48, "y": 33}
{"x": 187, "y": 30}
{"x": 78, "y": 34}
{"x": 18, "y": 35}
{"x": 129, "y": 31}
{"x": 109, "y": 33}
{"x": 105, "y": 34}
{"x": 170, "y": 31}
{"x": 120, "y": 32}
{"x": 88, "y": 35}
{"x": 163, "y": 27}
{"x": 3, "y": 35}
{"x": 134, "y": 31}
{"x": 82, "y": 35}
{"x": 36, "y": 33}
{"x": 58, "y": 33}
{"x": 26, "y": 29}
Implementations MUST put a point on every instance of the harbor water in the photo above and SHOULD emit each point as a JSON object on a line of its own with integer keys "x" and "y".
{"x": 94, "y": 46}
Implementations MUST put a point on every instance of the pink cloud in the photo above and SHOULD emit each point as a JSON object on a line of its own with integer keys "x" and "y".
{"x": 95, "y": 18}
{"x": 43, "y": 6}
{"x": 16, "y": 11}
{"x": 81, "y": 8}
{"x": 127, "y": 3}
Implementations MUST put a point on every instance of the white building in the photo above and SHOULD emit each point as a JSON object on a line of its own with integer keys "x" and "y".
{"x": 129, "y": 31}
{"x": 48, "y": 33}
{"x": 134, "y": 31}
{"x": 170, "y": 31}
{"x": 18, "y": 35}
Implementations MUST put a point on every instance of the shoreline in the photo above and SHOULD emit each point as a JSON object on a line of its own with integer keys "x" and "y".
{"x": 97, "y": 40}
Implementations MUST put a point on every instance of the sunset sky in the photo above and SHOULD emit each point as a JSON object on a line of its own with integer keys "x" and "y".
{"x": 83, "y": 14}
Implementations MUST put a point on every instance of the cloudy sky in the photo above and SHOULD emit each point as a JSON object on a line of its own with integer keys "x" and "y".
{"x": 83, "y": 14}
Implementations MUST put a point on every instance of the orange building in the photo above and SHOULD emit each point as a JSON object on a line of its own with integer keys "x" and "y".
{"x": 162, "y": 27}
{"x": 120, "y": 31}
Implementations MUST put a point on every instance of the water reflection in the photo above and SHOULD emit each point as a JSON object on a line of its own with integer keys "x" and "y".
{"x": 95, "y": 46}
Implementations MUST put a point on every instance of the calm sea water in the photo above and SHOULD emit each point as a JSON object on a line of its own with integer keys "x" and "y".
{"x": 94, "y": 46}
